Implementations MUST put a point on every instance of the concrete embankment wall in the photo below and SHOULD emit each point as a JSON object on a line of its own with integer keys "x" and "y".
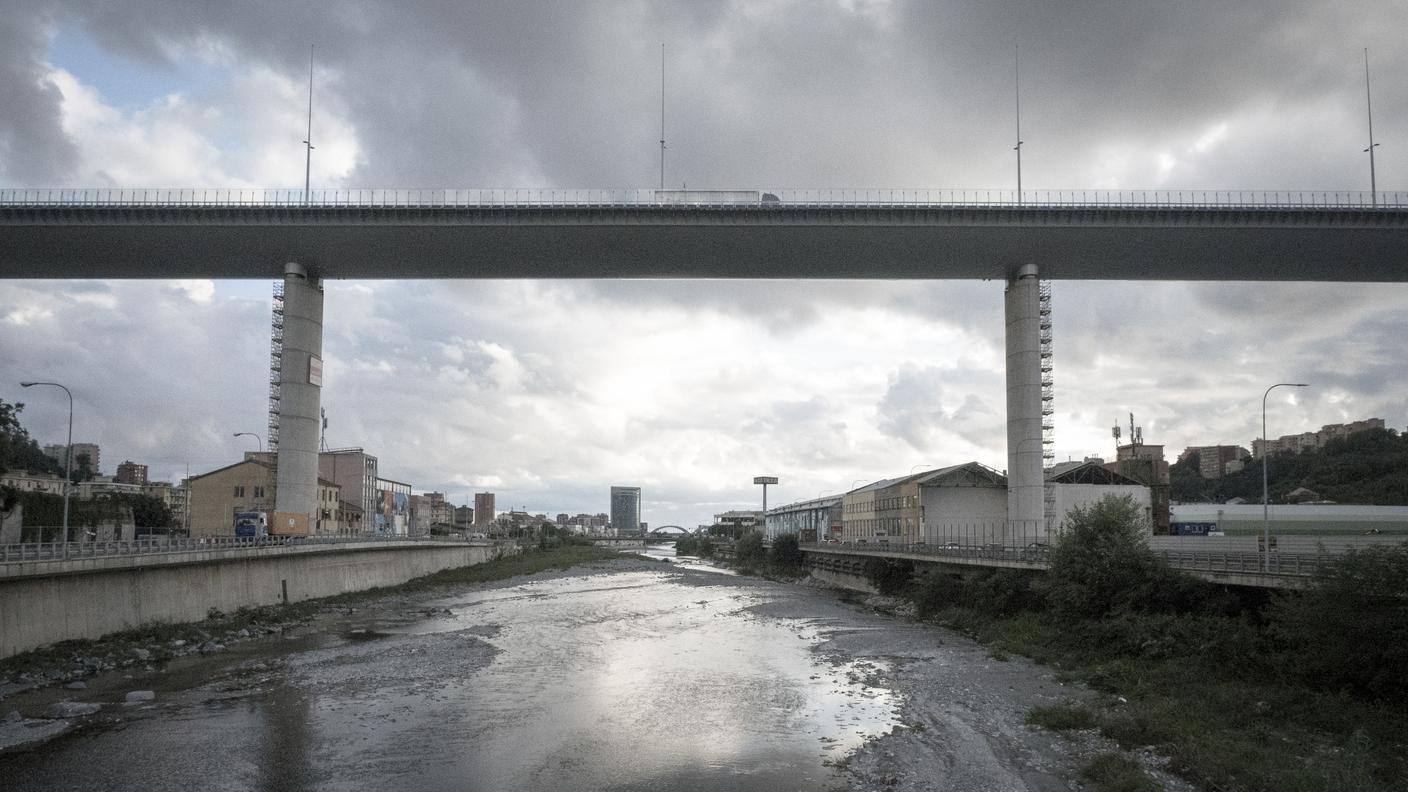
{"x": 82, "y": 599}
{"x": 843, "y": 580}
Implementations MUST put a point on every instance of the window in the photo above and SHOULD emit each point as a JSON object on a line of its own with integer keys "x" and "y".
{"x": 239, "y": 490}
{"x": 258, "y": 492}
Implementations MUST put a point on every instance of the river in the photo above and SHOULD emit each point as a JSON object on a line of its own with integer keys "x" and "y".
{"x": 632, "y": 675}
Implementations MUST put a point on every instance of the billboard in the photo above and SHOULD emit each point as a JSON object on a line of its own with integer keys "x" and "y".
{"x": 392, "y": 513}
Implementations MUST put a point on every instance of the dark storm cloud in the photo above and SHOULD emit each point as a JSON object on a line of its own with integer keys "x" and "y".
{"x": 810, "y": 93}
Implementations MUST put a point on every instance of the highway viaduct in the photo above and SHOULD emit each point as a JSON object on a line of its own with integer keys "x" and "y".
{"x": 863, "y": 233}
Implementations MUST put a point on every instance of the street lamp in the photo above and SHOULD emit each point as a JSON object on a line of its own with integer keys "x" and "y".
{"x": 68, "y": 453}
{"x": 257, "y": 438}
{"x": 1265, "y": 497}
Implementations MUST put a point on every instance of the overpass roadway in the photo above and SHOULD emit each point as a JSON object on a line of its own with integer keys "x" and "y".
{"x": 1198, "y": 235}
{"x": 1226, "y": 568}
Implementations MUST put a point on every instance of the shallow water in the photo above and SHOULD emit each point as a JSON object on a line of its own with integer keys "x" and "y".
{"x": 633, "y": 680}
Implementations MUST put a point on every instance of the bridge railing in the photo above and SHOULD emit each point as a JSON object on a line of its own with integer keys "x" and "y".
{"x": 61, "y": 551}
{"x": 1255, "y": 563}
{"x": 787, "y": 198}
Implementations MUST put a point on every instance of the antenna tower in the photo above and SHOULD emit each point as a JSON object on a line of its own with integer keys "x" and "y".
{"x": 276, "y": 363}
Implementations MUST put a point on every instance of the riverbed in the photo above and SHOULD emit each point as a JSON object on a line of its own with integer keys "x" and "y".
{"x": 624, "y": 675}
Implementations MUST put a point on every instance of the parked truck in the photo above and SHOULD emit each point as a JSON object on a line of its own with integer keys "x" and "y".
{"x": 259, "y": 524}
{"x": 251, "y": 524}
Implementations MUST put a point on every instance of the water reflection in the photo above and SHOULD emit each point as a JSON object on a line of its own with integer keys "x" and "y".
{"x": 640, "y": 680}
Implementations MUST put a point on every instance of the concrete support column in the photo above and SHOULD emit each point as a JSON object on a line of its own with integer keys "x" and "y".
{"x": 300, "y": 394}
{"x": 1025, "y": 484}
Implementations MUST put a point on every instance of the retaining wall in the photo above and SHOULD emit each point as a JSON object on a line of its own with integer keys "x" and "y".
{"x": 76, "y": 600}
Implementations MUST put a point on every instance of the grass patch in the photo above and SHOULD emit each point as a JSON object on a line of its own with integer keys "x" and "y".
{"x": 1062, "y": 717}
{"x": 1115, "y": 773}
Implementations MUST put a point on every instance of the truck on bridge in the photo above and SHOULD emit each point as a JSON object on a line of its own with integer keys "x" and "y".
{"x": 251, "y": 524}
{"x": 257, "y": 524}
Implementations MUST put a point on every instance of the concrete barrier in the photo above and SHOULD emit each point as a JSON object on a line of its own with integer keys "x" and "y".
{"x": 84, "y": 599}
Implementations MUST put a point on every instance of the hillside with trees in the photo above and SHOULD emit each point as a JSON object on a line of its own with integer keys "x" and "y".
{"x": 1369, "y": 467}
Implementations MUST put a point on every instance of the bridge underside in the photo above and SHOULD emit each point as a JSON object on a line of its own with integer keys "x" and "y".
{"x": 1165, "y": 243}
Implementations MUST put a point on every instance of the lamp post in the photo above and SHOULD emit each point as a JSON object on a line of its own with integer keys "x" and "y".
{"x": 1265, "y": 491}
{"x": 256, "y": 437}
{"x": 68, "y": 452}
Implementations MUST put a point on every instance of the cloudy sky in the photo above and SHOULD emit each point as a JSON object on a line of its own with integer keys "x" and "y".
{"x": 548, "y": 392}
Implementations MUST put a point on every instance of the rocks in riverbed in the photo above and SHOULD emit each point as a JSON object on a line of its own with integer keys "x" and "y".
{"x": 77, "y": 684}
{"x": 63, "y": 710}
{"x": 141, "y": 654}
{"x": 140, "y": 696}
{"x": 211, "y": 647}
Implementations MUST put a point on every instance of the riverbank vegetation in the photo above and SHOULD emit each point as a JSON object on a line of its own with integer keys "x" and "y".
{"x": 1244, "y": 690}
{"x": 782, "y": 560}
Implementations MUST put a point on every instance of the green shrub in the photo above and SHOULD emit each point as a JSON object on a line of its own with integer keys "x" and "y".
{"x": 748, "y": 551}
{"x": 993, "y": 592}
{"x": 935, "y": 592}
{"x": 785, "y": 555}
{"x": 890, "y": 576}
{"x": 1116, "y": 773}
{"x": 1102, "y": 564}
{"x": 1062, "y": 717}
{"x": 1350, "y": 629}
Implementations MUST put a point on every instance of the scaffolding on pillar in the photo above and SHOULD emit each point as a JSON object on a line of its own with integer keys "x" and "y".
{"x": 1048, "y": 387}
{"x": 1048, "y": 397}
{"x": 276, "y": 363}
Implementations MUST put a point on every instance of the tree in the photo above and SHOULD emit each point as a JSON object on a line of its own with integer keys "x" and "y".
{"x": 1102, "y": 565}
{"x": 84, "y": 470}
{"x": 148, "y": 511}
{"x": 18, "y": 451}
{"x": 786, "y": 553}
{"x": 748, "y": 551}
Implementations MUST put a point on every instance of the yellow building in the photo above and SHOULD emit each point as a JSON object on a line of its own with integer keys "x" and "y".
{"x": 249, "y": 486}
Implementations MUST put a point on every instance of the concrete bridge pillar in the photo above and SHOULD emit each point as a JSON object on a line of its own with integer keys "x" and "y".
{"x": 300, "y": 394}
{"x": 1025, "y": 485}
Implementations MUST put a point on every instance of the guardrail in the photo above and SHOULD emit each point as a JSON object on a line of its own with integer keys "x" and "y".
{"x": 1276, "y": 564}
{"x": 787, "y": 198}
{"x": 63, "y": 551}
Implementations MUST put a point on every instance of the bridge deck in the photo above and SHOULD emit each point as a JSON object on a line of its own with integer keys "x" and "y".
{"x": 611, "y": 234}
{"x": 1228, "y": 568}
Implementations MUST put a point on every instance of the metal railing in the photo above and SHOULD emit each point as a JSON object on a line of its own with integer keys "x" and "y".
{"x": 63, "y": 551}
{"x": 788, "y": 198}
{"x": 1038, "y": 556}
